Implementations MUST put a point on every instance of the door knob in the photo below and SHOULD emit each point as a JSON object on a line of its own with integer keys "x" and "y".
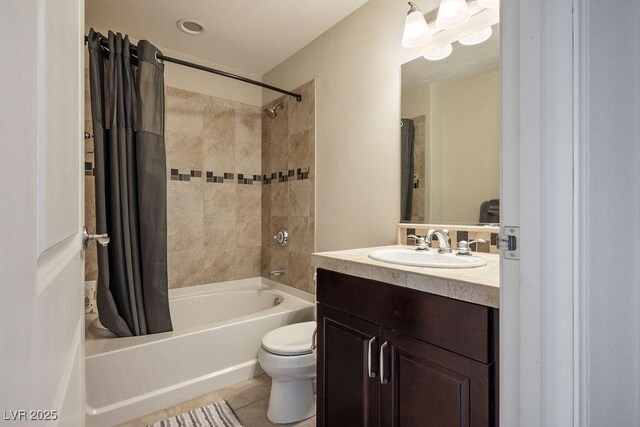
{"x": 102, "y": 239}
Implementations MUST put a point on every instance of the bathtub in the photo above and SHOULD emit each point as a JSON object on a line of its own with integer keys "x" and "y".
{"x": 217, "y": 333}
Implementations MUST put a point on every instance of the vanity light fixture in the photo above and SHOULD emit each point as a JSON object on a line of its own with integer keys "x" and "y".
{"x": 416, "y": 31}
{"x": 487, "y": 4}
{"x": 476, "y": 37}
{"x": 452, "y": 13}
{"x": 440, "y": 53}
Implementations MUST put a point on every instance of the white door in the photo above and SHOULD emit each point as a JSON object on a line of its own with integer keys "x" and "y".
{"x": 537, "y": 325}
{"x": 41, "y": 212}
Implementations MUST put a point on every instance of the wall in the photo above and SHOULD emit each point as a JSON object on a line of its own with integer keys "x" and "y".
{"x": 610, "y": 202}
{"x": 213, "y": 190}
{"x": 288, "y": 190}
{"x": 356, "y": 67}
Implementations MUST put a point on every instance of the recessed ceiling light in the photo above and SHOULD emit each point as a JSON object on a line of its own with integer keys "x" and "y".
{"x": 191, "y": 26}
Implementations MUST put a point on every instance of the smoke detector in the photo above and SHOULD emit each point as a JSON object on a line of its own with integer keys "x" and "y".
{"x": 191, "y": 26}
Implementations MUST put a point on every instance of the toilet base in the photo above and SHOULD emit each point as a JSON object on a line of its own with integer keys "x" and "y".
{"x": 291, "y": 401}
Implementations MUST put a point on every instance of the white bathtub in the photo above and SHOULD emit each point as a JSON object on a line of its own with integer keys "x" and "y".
{"x": 214, "y": 344}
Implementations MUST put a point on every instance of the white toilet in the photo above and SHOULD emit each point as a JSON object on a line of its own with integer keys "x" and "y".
{"x": 287, "y": 356}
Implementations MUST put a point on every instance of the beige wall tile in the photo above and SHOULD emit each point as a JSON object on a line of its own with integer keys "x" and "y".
{"x": 220, "y": 231}
{"x": 301, "y": 113}
{"x": 279, "y": 259}
{"x": 248, "y": 159}
{"x": 220, "y": 199}
{"x": 219, "y": 264}
{"x": 185, "y": 269}
{"x": 248, "y": 231}
{"x": 248, "y": 199}
{"x": 185, "y": 198}
{"x": 184, "y": 151}
{"x": 299, "y": 235}
{"x": 265, "y": 261}
{"x": 185, "y": 233}
{"x": 247, "y": 262}
{"x": 184, "y": 111}
{"x": 299, "y": 197}
{"x": 248, "y": 125}
{"x": 219, "y": 156}
{"x": 298, "y": 276}
{"x": 279, "y": 198}
{"x": 299, "y": 150}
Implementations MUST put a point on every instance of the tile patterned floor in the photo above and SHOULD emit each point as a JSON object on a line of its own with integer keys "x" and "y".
{"x": 249, "y": 399}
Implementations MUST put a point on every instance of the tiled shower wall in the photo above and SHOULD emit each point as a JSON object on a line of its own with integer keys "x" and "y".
{"x": 288, "y": 193}
{"x": 213, "y": 189}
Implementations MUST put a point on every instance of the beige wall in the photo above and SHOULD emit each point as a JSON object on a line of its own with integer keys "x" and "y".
{"x": 356, "y": 67}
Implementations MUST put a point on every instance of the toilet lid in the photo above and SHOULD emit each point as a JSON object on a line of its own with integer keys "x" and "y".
{"x": 290, "y": 340}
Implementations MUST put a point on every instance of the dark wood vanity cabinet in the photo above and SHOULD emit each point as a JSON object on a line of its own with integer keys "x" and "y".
{"x": 393, "y": 356}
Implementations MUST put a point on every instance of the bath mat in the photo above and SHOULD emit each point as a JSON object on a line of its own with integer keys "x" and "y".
{"x": 217, "y": 414}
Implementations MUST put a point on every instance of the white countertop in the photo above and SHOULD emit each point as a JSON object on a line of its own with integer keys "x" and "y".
{"x": 479, "y": 285}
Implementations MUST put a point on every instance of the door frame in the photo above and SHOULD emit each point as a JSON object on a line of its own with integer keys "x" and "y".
{"x": 539, "y": 330}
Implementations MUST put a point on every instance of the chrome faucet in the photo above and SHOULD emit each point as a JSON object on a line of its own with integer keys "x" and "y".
{"x": 443, "y": 239}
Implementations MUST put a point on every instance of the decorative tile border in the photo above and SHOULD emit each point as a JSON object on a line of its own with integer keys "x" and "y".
{"x": 274, "y": 177}
{"x": 244, "y": 179}
{"x": 456, "y": 233}
{"x": 288, "y": 175}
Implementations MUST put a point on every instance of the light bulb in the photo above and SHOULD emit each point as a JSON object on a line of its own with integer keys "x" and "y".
{"x": 452, "y": 13}
{"x": 440, "y": 53}
{"x": 477, "y": 37}
{"x": 487, "y": 4}
{"x": 416, "y": 31}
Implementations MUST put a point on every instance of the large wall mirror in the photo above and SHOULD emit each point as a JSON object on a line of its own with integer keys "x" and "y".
{"x": 450, "y": 136}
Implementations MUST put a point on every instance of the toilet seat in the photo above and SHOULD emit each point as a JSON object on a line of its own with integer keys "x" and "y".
{"x": 290, "y": 340}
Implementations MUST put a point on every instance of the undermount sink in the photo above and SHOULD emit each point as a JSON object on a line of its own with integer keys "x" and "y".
{"x": 431, "y": 258}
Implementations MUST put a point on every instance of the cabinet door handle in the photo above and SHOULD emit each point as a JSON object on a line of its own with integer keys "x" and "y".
{"x": 371, "y": 374}
{"x": 383, "y": 380}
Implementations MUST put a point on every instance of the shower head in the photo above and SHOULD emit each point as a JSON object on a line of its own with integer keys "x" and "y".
{"x": 272, "y": 112}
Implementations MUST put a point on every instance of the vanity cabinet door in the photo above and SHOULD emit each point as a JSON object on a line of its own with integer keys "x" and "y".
{"x": 348, "y": 383}
{"x": 424, "y": 385}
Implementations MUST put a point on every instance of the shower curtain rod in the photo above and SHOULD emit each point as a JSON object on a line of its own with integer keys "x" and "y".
{"x": 104, "y": 43}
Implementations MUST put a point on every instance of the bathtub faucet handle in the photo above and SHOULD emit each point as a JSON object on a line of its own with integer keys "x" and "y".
{"x": 281, "y": 237}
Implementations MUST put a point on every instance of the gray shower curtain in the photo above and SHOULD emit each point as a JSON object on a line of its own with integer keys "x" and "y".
{"x": 407, "y": 137}
{"x": 127, "y": 105}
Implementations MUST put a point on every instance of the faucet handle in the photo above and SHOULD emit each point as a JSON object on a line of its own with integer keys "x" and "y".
{"x": 421, "y": 241}
{"x": 464, "y": 247}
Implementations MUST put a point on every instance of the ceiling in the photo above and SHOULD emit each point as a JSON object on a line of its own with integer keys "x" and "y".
{"x": 464, "y": 62}
{"x": 249, "y": 35}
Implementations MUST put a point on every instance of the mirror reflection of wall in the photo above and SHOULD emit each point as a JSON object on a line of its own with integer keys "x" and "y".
{"x": 450, "y": 136}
